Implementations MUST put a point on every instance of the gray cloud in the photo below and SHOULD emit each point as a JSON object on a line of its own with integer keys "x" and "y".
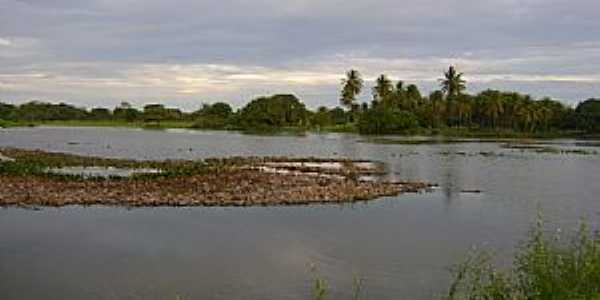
{"x": 104, "y": 51}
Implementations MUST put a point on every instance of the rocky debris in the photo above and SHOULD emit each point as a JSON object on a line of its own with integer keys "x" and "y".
{"x": 230, "y": 188}
{"x": 235, "y": 181}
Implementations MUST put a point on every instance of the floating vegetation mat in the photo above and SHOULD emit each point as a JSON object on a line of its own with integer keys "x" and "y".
{"x": 31, "y": 178}
{"x": 541, "y": 148}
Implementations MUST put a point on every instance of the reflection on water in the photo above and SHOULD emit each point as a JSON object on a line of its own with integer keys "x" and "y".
{"x": 401, "y": 246}
{"x": 104, "y": 172}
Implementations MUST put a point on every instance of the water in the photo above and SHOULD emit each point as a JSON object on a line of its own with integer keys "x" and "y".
{"x": 101, "y": 172}
{"x": 401, "y": 246}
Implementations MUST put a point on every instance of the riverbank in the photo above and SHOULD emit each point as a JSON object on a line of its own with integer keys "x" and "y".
{"x": 450, "y": 132}
{"x": 38, "y": 178}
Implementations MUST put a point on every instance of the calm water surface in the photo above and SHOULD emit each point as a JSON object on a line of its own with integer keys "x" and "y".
{"x": 401, "y": 246}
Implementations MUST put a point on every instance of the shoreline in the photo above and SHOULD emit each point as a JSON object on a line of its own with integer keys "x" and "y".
{"x": 424, "y": 132}
{"x": 240, "y": 181}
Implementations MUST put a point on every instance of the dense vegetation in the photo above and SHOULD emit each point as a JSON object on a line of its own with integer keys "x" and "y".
{"x": 394, "y": 108}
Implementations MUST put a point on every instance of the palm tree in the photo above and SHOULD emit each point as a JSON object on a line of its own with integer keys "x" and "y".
{"x": 452, "y": 84}
{"x": 438, "y": 107}
{"x": 546, "y": 112}
{"x": 493, "y": 107}
{"x": 464, "y": 109}
{"x": 351, "y": 86}
{"x": 529, "y": 114}
{"x": 383, "y": 88}
{"x": 413, "y": 97}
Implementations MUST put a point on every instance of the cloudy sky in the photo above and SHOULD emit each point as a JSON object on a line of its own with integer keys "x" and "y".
{"x": 182, "y": 53}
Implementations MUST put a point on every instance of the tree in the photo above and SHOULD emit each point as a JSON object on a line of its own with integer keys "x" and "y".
{"x": 155, "y": 113}
{"x": 412, "y": 97}
{"x": 383, "y": 89}
{"x": 321, "y": 117}
{"x": 100, "y": 113}
{"x": 464, "y": 109}
{"x": 452, "y": 84}
{"x": 273, "y": 112}
{"x": 351, "y": 87}
{"x": 382, "y": 120}
{"x": 338, "y": 116}
{"x": 438, "y": 108}
{"x": 588, "y": 115}
{"x": 126, "y": 112}
{"x": 7, "y": 111}
{"x": 493, "y": 106}
{"x": 216, "y": 116}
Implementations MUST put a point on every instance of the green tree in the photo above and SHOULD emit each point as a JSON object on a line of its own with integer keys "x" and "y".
{"x": 382, "y": 120}
{"x": 588, "y": 115}
{"x": 274, "y": 112}
{"x": 7, "y": 111}
{"x": 351, "y": 87}
{"x": 464, "y": 108}
{"x": 126, "y": 112}
{"x": 493, "y": 106}
{"x": 100, "y": 113}
{"x": 452, "y": 84}
{"x": 383, "y": 89}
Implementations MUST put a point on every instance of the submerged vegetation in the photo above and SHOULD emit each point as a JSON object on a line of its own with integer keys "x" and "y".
{"x": 394, "y": 108}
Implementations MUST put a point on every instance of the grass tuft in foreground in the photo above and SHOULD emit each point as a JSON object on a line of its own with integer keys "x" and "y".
{"x": 544, "y": 268}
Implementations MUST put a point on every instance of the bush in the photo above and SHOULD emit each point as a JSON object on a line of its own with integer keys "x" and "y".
{"x": 381, "y": 120}
{"x": 543, "y": 269}
{"x": 274, "y": 112}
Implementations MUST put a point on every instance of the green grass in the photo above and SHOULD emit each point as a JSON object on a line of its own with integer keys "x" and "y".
{"x": 544, "y": 268}
{"x": 116, "y": 123}
{"x": 7, "y": 124}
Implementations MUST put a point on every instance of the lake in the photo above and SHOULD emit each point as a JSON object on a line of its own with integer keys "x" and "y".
{"x": 400, "y": 246}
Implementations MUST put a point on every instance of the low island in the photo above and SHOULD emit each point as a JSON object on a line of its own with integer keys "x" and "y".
{"x": 32, "y": 178}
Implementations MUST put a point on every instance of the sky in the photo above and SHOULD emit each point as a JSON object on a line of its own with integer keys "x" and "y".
{"x": 188, "y": 52}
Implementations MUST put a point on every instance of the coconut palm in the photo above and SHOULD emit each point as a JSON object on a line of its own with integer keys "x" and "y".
{"x": 452, "y": 84}
{"x": 383, "y": 88}
{"x": 464, "y": 110}
{"x": 351, "y": 86}
{"x": 438, "y": 107}
{"x": 493, "y": 107}
{"x": 545, "y": 114}
{"x": 529, "y": 114}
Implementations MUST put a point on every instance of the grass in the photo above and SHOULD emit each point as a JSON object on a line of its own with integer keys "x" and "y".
{"x": 544, "y": 268}
{"x": 116, "y": 123}
{"x": 34, "y": 162}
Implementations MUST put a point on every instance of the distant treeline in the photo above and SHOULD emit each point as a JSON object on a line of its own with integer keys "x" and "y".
{"x": 395, "y": 108}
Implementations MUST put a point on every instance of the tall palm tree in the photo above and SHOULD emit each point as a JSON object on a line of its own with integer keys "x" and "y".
{"x": 545, "y": 113}
{"x": 438, "y": 107}
{"x": 529, "y": 114}
{"x": 351, "y": 86}
{"x": 452, "y": 84}
{"x": 383, "y": 88}
{"x": 413, "y": 97}
{"x": 464, "y": 109}
{"x": 494, "y": 107}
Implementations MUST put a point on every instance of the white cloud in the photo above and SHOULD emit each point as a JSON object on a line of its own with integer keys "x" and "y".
{"x": 5, "y": 42}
